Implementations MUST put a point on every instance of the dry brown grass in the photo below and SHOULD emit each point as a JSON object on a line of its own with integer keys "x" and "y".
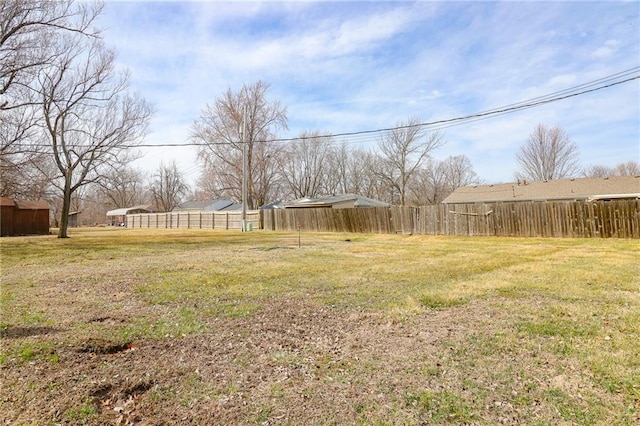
{"x": 198, "y": 327}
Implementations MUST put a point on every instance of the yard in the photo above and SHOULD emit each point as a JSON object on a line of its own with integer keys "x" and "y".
{"x": 121, "y": 326}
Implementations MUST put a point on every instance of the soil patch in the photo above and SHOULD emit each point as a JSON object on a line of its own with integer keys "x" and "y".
{"x": 292, "y": 362}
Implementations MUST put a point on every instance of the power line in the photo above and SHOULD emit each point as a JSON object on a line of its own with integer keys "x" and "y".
{"x": 526, "y": 104}
{"x": 366, "y": 135}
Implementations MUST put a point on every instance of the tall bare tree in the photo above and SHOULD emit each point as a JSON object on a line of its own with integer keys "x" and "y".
{"x": 30, "y": 34}
{"x": 168, "y": 187}
{"x": 402, "y": 151}
{"x": 90, "y": 119}
{"x": 304, "y": 165}
{"x": 219, "y": 127}
{"x": 266, "y": 183}
{"x": 352, "y": 171}
{"x": 429, "y": 186}
{"x": 437, "y": 179}
{"x": 548, "y": 154}
{"x": 122, "y": 187}
{"x": 458, "y": 172}
{"x": 335, "y": 164}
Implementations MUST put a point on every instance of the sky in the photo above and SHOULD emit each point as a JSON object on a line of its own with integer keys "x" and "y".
{"x": 342, "y": 67}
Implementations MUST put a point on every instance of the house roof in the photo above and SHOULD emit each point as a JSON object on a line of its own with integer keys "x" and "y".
{"x": 561, "y": 189}
{"x": 358, "y": 201}
{"x": 208, "y": 205}
{"x": 233, "y": 207}
{"x": 126, "y": 210}
{"x": 6, "y": 201}
{"x": 273, "y": 205}
{"x": 25, "y": 204}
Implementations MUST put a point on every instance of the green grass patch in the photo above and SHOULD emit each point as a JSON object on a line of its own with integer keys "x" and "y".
{"x": 441, "y": 301}
{"x": 27, "y": 352}
{"x": 440, "y": 407}
{"x": 81, "y": 414}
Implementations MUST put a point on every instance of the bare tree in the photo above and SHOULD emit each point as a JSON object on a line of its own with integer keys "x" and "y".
{"x": 266, "y": 183}
{"x": 402, "y": 151}
{"x": 629, "y": 168}
{"x": 90, "y": 120}
{"x": 597, "y": 172}
{"x": 353, "y": 171}
{"x": 363, "y": 177}
{"x": 430, "y": 184}
{"x": 29, "y": 30}
{"x": 304, "y": 165}
{"x": 437, "y": 179}
{"x": 220, "y": 126}
{"x": 548, "y": 154}
{"x": 122, "y": 187}
{"x": 458, "y": 172}
{"x": 208, "y": 185}
{"x": 26, "y": 177}
{"x": 336, "y": 169}
{"x": 168, "y": 187}
{"x": 30, "y": 34}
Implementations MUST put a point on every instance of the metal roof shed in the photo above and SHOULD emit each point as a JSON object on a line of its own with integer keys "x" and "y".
{"x": 118, "y": 217}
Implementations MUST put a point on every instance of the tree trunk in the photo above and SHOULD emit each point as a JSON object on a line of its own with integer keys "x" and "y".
{"x": 66, "y": 204}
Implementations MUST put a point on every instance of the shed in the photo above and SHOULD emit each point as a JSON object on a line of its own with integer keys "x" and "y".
{"x": 73, "y": 219}
{"x": 23, "y": 217}
{"x": 578, "y": 189}
{"x": 118, "y": 217}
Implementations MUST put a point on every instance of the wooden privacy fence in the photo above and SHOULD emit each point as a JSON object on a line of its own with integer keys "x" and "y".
{"x": 193, "y": 220}
{"x": 614, "y": 219}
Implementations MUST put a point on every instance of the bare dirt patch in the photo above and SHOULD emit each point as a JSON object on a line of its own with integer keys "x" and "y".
{"x": 294, "y": 363}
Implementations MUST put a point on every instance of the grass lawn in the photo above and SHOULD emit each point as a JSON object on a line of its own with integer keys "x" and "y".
{"x": 121, "y": 326}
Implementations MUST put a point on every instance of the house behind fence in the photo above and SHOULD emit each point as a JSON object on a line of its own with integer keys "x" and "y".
{"x": 578, "y": 189}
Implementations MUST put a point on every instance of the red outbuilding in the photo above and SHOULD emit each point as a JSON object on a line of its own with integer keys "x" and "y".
{"x": 20, "y": 217}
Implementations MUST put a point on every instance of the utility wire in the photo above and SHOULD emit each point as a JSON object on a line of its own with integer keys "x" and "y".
{"x": 366, "y": 135}
{"x": 530, "y": 103}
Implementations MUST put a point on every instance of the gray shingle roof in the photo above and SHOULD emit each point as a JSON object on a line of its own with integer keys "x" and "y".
{"x": 561, "y": 189}
{"x": 208, "y": 205}
{"x": 358, "y": 201}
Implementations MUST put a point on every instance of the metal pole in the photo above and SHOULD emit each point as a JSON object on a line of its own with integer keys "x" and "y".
{"x": 244, "y": 169}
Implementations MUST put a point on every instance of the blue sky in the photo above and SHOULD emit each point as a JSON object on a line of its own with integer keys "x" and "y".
{"x": 350, "y": 66}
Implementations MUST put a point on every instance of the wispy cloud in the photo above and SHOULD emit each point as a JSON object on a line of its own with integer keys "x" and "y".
{"x": 355, "y": 66}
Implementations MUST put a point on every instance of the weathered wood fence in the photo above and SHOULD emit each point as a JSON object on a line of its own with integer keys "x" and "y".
{"x": 193, "y": 220}
{"x": 614, "y": 219}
